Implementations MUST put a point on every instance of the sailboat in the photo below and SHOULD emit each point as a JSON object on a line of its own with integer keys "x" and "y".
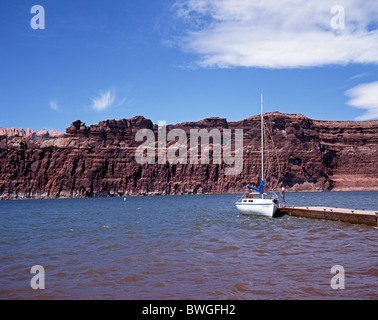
{"x": 249, "y": 204}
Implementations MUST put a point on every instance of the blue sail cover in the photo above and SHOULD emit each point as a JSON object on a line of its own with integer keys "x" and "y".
{"x": 261, "y": 187}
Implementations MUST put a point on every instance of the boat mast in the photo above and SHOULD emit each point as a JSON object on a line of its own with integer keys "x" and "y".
{"x": 262, "y": 142}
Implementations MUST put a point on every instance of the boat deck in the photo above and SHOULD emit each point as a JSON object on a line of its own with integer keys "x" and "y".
{"x": 336, "y": 214}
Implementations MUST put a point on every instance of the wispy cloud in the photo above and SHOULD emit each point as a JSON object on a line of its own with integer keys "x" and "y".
{"x": 365, "y": 96}
{"x": 54, "y": 105}
{"x": 370, "y": 73}
{"x": 104, "y": 101}
{"x": 278, "y": 34}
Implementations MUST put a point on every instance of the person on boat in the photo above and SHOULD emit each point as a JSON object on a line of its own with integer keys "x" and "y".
{"x": 283, "y": 194}
{"x": 275, "y": 197}
{"x": 249, "y": 195}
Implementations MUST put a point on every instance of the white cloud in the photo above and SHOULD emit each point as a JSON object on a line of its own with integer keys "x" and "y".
{"x": 54, "y": 105}
{"x": 103, "y": 101}
{"x": 365, "y": 96}
{"x": 279, "y": 34}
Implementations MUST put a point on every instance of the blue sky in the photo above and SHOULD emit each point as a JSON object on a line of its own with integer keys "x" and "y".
{"x": 185, "y": 60}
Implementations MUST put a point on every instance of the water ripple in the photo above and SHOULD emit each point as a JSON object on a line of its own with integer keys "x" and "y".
{"x": 184, "y": 247}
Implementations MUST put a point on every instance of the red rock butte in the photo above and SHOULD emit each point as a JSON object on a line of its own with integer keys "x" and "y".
{"x": 99, "y": 160}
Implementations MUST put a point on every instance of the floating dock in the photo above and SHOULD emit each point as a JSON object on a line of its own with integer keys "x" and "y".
{"x": 336, "y": 214}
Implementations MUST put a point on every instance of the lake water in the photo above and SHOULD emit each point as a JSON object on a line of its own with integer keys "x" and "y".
{"x": 184, "y": 247}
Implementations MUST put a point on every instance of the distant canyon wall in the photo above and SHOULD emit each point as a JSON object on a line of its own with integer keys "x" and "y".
{"x": 30, "y": 133}
{"x": 99, "y": 160}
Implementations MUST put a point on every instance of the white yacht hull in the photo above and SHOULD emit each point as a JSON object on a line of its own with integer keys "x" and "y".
{"x": 261, "y": 207}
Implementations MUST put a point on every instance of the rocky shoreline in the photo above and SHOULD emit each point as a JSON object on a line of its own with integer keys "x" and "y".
{"x": 99, "y": 160}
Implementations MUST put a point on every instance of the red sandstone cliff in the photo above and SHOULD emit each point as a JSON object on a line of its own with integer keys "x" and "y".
{"x": 99, "y": 160}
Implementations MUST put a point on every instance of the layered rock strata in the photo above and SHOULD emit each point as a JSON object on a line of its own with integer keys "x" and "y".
{"x": 99, "y": 160}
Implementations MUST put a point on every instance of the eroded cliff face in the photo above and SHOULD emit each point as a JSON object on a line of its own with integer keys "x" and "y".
{"x": 99, "y": 160}
{"x": 30, "y": 133}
